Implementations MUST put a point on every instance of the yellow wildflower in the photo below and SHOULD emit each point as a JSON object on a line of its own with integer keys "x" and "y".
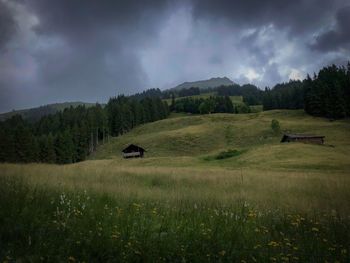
{"x": 273, "y": 244}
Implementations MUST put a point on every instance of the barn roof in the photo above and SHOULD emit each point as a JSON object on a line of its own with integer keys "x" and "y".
{"x": 295, "y": 135}
{"x": 300, "y": 136}
{"x": 133, "y": 147}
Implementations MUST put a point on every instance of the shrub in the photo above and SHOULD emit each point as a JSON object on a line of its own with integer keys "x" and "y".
{"x": 275, "y": 126}
{"x": 227, "y": 154}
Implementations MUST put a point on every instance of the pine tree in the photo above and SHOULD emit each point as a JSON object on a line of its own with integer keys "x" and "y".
{"x": 64, "y": 148}
{"x": 172, "y": 105}
{"x": 51, "y": 153}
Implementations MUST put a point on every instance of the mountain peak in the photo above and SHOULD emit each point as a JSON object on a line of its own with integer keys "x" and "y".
{"x": 203, "y": 84}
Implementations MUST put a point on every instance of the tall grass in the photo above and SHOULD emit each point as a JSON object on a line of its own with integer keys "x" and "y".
{"x": 304, "y": 191}
{"x": 54, "y": 225}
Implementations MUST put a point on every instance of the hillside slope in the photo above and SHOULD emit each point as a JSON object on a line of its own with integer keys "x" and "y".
{"x": 190, "y": 140}
{"x": 202, "y": 84}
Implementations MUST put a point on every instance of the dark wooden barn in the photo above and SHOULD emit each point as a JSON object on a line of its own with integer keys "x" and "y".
{"x": 316, "y": 139}
{"x": 133, "y": 151}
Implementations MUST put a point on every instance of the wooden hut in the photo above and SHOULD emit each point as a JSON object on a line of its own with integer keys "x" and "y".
{"x": 133, "y": 151}
{"x": 316, "y": 139}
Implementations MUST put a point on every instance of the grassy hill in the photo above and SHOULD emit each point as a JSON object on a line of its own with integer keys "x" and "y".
{"x": 198, "y": 137}
{"x": 203, "y": 84}
{"x": 33, "y": 114}
{"x": 269, "y": 202}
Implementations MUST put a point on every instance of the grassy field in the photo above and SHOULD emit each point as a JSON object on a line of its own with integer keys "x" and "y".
{"x": 269, "y": 202}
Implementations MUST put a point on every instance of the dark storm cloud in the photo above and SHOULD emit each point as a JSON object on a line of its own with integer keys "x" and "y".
{"x": 260, "y": 54}
{"x": 64, "y": 50}
{"x": 339, "y": 36}
{"x": 298, "y": 16}
{"x": 77, "y": 19}
{"x": 87, "y": 48}
{"x": 7, "y": 25}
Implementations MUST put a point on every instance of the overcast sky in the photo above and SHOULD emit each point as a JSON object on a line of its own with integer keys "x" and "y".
{"x": 69, "y": 50}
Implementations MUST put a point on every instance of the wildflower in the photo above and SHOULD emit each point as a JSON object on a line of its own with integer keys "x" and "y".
{"x": 252, "y": 215}
{"x": 273, "y": 259}
{"x": 273, "y": 244}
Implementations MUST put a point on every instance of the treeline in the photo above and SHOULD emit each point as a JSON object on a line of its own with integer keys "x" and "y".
{"x": 288, "y": 95}
{"x": 124, "y": 113}
{"x": 150, "y": 93}
{"x": 327, "y": 94}
{"x": 251, "y": 94}
{"x": 72, "y": 134}
{"x": 213, "y": 104}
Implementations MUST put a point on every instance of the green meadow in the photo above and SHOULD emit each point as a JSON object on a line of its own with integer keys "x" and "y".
{"x": 218, "y": 187}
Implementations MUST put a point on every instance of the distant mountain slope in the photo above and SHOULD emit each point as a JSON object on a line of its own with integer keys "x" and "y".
{"x": 34, "y": 114}
{"x": 203, "y": 84}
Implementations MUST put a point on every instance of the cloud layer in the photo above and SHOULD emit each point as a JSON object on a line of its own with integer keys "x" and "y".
{"x": 90, "y": 50}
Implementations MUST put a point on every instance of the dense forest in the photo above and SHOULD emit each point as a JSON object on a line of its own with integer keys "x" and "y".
{"x": 72, "y": 134}
{"x": 327, "y": 94}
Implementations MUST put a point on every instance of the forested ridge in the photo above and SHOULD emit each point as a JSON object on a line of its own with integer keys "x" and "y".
{"x": 72, "y": 134}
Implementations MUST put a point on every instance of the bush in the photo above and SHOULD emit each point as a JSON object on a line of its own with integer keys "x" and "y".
{"x": 227, "y": 154}
{"x": 275, "y": 126}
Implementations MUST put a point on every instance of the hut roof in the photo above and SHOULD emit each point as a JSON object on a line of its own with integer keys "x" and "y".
{"x": 133, "y": 147}
{"x": 300, "y": 136}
